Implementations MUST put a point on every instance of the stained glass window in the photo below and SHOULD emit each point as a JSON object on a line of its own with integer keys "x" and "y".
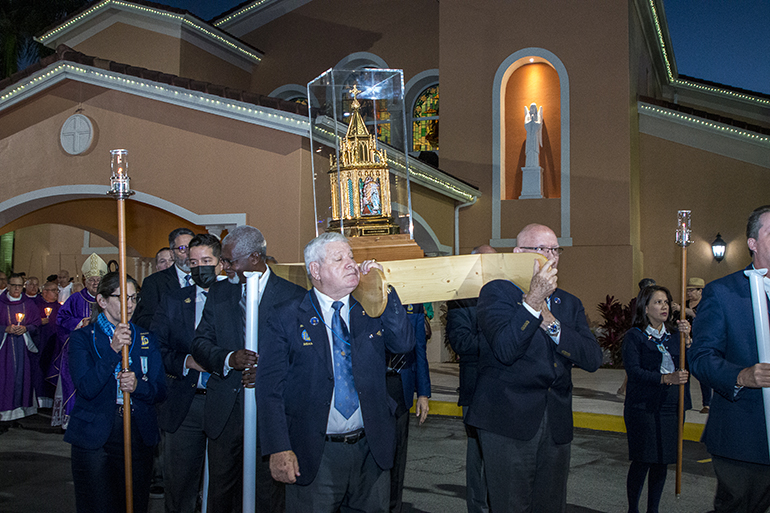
{"x": 299, "y": 99}
{"x": 425, "y": 121}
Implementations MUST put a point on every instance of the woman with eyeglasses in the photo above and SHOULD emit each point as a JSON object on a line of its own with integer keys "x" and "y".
{"x": 651, "y": 356}
{"x": 96, "y": 424}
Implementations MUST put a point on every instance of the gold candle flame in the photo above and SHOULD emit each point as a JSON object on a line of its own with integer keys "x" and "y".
{"x": 19, "y": 317}
{"x": 48, "y": 311}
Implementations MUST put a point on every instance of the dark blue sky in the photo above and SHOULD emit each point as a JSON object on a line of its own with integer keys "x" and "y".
{"x": 725, "y": 41}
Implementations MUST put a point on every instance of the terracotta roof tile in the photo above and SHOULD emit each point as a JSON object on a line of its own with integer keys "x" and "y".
{"x": 65, "y": 53}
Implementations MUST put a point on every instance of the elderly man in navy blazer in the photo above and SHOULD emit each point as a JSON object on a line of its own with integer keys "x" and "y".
{"x": 724, "y": 356}
{"x": 522, "y": 405}
{"x": 325, "y": 416}
{"x": 219, "y": 348}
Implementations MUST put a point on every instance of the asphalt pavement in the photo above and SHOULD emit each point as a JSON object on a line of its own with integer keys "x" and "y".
{"x": 35, "y": 465}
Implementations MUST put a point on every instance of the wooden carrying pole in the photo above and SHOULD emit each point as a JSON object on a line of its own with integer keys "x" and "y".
{"x": 119, "y": 188}
{"x": 682, "y": 348}
{"x": 683, "y": 240}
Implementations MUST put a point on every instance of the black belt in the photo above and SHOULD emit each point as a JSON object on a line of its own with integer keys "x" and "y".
{"x": 348, "y": 438}
{"x": 200, "y": 391}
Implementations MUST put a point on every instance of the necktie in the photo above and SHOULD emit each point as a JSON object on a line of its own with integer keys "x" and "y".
{"x": 187, "y": 280}
{"x": 204, "y": 375}
{"x": 345, "y": 395}
{"x": 243, "y": 310}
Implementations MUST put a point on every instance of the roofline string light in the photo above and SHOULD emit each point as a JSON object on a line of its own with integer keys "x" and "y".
{"x": 240, "y": 12}
{"x": 705, "y": 123}
{"x": 179, "y": 93}
{"x": 299, "y": 122}
{"x": 42, "y": 39}
{"x": 687, "y": 83}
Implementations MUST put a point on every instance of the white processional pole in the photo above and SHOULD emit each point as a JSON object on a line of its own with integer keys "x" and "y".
{"x": 250, "y": 396}
{"x": 762, "y": 328}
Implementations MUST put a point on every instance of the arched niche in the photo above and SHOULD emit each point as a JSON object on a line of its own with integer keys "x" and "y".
{"x": 545, "y": 81}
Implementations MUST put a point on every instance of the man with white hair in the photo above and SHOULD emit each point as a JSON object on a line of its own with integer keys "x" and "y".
{"x": 219, "y": 348}
{"x": 325, "y": 416}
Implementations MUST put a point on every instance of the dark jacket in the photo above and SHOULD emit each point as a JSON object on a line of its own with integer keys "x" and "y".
{"x": 92, "y": 365}
{"x": 296, "y": 381}
{"x": 522, "y": 371}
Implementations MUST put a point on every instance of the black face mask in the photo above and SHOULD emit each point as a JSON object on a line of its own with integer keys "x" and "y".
{"x": 204, "y": 276}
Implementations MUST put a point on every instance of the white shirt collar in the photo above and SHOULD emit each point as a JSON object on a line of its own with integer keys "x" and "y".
{"x": 657, "y": 334}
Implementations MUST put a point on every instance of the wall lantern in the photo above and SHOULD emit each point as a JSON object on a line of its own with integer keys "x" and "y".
{"x": 718, "y": 248}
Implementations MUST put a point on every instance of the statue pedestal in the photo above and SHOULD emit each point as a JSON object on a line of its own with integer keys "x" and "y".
{"x": 531, "y": 182}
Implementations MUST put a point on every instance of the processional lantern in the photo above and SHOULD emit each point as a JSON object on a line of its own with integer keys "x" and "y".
{"x": 360, "y": 186}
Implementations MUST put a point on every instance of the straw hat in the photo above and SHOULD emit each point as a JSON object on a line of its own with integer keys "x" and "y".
{"x": 695, "y": 283}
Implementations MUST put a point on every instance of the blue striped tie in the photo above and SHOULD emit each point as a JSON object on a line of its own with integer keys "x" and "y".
{"x": 345, "y": 395}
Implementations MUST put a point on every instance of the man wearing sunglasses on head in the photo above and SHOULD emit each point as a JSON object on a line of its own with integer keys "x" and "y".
{"x": 159, "y": 283}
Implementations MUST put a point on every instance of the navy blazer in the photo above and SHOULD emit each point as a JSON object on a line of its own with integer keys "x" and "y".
{"x": 220, "y": 332}
{"x": 296, "y": 380}
{"x": 642, "y": 359}
{"x": 415, "y": 374}
{"x": 174, "y": 326}
{"x": 92, "y": 365}
{"x": 725, "y": 343}
{"x": 465, "y": 339}
{"x": 153, "y": 289}
{"x": 522, "y": 371}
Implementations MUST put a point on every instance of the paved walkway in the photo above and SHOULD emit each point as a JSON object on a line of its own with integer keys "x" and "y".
{"x": 595, "y": 402}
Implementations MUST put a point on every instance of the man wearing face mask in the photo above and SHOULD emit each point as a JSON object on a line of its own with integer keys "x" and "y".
{"x": 180, "y": 416}
{"x": 219, "y": 348}
{"x": 161, "y": 282}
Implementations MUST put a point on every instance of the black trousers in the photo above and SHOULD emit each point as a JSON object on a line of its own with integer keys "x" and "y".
{"x": 348, "y": 481}
{"x": 99, "y": 474}
{"x": 742, "y": 487}
{"x": 226, "y": 471}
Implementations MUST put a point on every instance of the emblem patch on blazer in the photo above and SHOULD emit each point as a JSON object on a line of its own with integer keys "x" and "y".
{"x": 314, "y": 321}
{"x": 410, "y": 309}
{"x": 145, "y": 341}
{"x": 306, "y": 338}
{"x": 524, "y": 326}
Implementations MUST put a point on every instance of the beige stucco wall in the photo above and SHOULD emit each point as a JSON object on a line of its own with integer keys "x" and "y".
{"x": 721, "y": 192}
{"x": 304, "y": 43}
{"x": 132, "y": 45}
{"x": 474, "y": 40}
{"x": 201, "y": 162}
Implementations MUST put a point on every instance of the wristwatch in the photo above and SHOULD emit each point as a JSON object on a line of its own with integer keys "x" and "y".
{"x": 554, "y": 328}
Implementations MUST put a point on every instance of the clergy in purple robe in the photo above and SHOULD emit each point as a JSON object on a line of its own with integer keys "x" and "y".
{"x": 74, "y": 314}
{"x": 47, "y": 345}
{"x": 19, "y": 322}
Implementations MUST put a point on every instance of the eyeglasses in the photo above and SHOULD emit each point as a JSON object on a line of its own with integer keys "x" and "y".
{"x": 131, "y": 298}
{"x": 15, "y": 285}
{"x": 229, "y": 262}
{"x": 543, "y": 249}
{"x": 181, "y": 249}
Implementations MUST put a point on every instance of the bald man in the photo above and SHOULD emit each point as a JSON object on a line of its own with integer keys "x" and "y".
{"x": 522, "y": 405}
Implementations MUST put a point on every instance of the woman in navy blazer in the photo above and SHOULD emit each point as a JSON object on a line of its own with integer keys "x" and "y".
{"x": 651, "y": 356}
{"x": 96, "y": 424}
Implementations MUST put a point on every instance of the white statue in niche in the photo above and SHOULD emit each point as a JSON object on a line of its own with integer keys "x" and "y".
{"x": 533, "y": 122}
